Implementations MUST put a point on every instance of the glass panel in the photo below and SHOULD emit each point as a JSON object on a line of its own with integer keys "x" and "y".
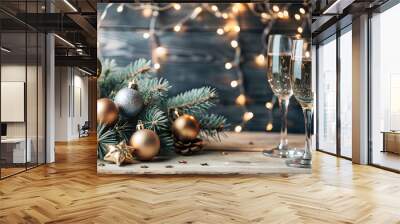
{"x": 31, "y": 98}
{"x": 13, "y": 87}
{"x": 327, "y": 97}
{"x": 346, "y": 94}
{"x": 385, "y": 84}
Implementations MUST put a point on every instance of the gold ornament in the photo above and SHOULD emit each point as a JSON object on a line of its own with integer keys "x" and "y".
{"x": 119, "y": 154}
{"x": 107, "y": 111}
{"x": 186, "y": 128}
{"x": 145, "y": 142}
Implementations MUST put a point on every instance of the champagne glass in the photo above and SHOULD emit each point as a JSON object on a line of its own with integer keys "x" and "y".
{"x": 301, "y": 80}
{"x": 278, "y": 74}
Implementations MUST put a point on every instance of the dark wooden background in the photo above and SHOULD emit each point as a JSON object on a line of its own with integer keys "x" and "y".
{"x": 196, "y": 57}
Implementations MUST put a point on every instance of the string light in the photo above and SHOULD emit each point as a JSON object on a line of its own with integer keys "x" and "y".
{"x": 231, "y": 26}
{"x": 147, "y": 12}
{"x": 177, "y": 28}
{"x": 228, "y": 65}
{"x": 302, "y": 11}
{"x": 161, "y": 51}
{"x": 234, "y": 43}
{"x": 146, "y": 35}
{"x": 269, "y": 127}
{"x": 234, "y": 83}
{"x": 260, "y": 60}
{"x": 120, "y": 8}
{"x": 248, "y": 116}
{"x": 238, "y": 129}
{"x": 176, "y": 6}
{"x": 285, "y": 14}
{"x": 265, "y": 15}
{"x": 241, "y": 100}
{"x": 297, "y": 16}
{"x": 237, "y": 8}
{"x": 300, "y": 29}
{"x": 269, "y": 105}
{"x": 220, "y": 31}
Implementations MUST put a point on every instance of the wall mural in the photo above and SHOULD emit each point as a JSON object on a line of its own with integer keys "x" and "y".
{"x": 173, "y": 76}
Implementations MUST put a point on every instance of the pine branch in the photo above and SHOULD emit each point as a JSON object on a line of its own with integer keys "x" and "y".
{"x": 124, "y": 130}
{"x": 193, "y": 101}
{"x": 153, "y": 90}
{"x": 108, "y": 66}
{"x": 212, "y": 125}
{"x": 156, "y": 120}
{"x": 105, "y": 136}
{"x": 138, "y": 68}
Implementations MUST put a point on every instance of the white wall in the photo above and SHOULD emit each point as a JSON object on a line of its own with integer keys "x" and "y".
{"x": 70, "y": 109}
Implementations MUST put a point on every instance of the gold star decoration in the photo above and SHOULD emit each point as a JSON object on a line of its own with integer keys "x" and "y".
{"x": 119, "y": 154}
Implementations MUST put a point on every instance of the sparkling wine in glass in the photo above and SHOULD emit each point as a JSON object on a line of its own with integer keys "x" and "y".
{"x": 301, "y": 80}
{"x": 278, "y": 73}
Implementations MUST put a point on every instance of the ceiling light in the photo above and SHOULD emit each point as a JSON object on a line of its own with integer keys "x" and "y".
{"x": 70, "y": 5}
{"x": 64, "y": 40}
{"x": 5, "y": 49}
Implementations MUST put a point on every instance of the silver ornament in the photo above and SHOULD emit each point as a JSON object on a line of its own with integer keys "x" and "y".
{"x": 129, "y": 101}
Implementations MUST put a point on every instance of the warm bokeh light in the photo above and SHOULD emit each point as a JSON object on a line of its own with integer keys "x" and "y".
{"x": 269, "y": 127}
{"x": 280, "y": 15}
{"x": 248, "y": 116}
{"x": 285, "y": 14}
{"x": 300, "y": 29}
{"x": 238, "y": 128}
{"x": 236, "y": 28}
{"x": 177, "y": 6}
{"x": 265, "y": 15}
{"x": 146, "y": 35}
{"x": 275, "y": 8}
{"x": 157, "y": 66}
{"x": 225, "y": 15}
{"x": 120, "y": 8}
{"x": 241, "y": 100}
{"x": 238, "y": 7}
{"x": 297, "y": 16}
{"x": 260, "y": 60}
{"x": 302, "y": 10}
{"x": 234, "y": 44}
{"x": 234, "y": 83}
{"x": 161, "y": 51}
{"x": 269, "y": 105}
{"x": 220, "y": 31}
{"x": 147, "y": 11}
{"x": 228, "y": 65}
{"x": 214, "y": 8}
{"x": 177, "y": 28}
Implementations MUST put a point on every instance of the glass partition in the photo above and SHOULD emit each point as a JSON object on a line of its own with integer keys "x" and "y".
{"x": 22, "y": 77}
{"x": 326, "y": 101}
{"x": 346, "y": 93}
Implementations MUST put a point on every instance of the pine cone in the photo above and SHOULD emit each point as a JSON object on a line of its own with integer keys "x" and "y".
{"x": 188, "y": 148}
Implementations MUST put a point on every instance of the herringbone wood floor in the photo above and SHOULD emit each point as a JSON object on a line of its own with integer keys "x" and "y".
{"x": 70, "y": 191}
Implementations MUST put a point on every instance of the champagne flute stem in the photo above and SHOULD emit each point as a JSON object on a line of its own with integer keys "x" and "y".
{"x": 283, "y": 104}
{"x": 308, "y": 114}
